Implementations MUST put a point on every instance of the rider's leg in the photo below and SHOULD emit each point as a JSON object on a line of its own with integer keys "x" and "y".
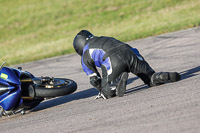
{"x": 149, "y": 77}
{"x": 117, "y": 69}
{"x": 106, "y": 88}
{"x": 142, "y": 70}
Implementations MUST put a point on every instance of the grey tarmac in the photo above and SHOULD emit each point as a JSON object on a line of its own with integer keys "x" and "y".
{"x": 169, "y": 108}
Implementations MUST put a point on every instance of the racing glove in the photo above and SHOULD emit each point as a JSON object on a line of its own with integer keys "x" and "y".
{"x": 96, "y": 82}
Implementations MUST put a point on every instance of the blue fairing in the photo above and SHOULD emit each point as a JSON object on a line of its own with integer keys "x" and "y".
{"x": 3, "y": 82}
{"x": 13, "y": 75}
{"x": 10, "y": 88}
{"x": 10, "y": 99}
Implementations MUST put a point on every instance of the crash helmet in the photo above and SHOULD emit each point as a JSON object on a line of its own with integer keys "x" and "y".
{"x": 80, "y": 41}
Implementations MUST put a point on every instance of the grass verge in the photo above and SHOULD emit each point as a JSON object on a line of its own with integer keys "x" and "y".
{"x": 37, "y": 29}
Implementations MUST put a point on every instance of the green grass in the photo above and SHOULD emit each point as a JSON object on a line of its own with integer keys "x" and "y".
{"x": 37, "y": 29}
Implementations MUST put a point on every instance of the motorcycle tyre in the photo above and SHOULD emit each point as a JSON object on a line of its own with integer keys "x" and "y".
{"x": 43, "y": 92}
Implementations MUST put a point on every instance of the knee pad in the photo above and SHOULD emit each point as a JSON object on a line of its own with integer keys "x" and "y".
{"x": 159, "y": 78}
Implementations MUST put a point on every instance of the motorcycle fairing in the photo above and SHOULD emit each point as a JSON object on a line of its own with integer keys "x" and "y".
{"x": 10, "y": 75}
{"x": 10, "y": 88}
{"x": 10, "y": 99}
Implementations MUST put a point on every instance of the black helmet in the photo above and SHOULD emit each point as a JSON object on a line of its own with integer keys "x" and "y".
{"x": 80, "y": 41}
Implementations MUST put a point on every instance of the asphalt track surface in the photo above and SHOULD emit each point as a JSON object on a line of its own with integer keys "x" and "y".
{"x": 169, "y": 108}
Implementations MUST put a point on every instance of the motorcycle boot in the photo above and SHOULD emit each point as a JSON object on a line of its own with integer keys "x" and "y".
{"x": 164, "y": 77}
{"x": 121, "y": 87}
{"x": 108, "y": 92}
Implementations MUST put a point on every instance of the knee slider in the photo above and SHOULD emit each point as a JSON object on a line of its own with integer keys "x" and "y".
{"x": 159, "y": 78}
{"x": 163, "y": 76}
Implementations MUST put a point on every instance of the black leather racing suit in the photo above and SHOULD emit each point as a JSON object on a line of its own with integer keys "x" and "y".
{"x": 113, "y": 57}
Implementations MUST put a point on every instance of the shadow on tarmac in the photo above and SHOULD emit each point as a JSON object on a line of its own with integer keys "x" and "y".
{"x": 136, "y": 89}
{"x": 184, "y": 75}
{"x": 190, "y": 73}
{"x": 130, "y": 80}
{"x": 92, "y": 91}
{"x": 61, "y": 100}
{"x": 74, "y": 96}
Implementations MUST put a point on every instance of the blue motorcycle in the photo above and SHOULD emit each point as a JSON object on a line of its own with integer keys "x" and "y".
{"x": 21, "y": 91}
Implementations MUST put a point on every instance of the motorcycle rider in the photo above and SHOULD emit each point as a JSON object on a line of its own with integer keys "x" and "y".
{"x": 116, "y": 59}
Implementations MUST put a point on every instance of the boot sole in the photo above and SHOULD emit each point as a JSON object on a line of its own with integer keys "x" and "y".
{"x": 121, "y": 88}
{"x": 174, "y": 76}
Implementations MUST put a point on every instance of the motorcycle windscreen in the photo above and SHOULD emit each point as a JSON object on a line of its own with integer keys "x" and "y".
{"x": 10, "y": 75}
{"x": 3, "y": 87}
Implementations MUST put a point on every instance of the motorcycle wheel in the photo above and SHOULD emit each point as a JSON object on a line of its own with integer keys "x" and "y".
{"x": 57, "y": 87}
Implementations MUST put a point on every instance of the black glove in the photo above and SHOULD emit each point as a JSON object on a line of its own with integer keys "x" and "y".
{"x": 95, "y": 81}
